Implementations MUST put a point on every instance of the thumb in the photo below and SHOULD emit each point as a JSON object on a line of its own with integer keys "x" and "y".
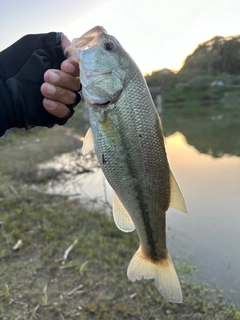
{"x": 65, "y": 42}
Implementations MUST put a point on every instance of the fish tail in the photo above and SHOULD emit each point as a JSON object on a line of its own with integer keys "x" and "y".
{"x": 163, "y": 271}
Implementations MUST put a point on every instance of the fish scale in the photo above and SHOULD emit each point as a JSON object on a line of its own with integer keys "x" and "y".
{"x": 126, "y": 133}
{"x": 140, "y": 164}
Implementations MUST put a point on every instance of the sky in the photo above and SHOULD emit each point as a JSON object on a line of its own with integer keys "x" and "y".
{"x": 157, "y": 33}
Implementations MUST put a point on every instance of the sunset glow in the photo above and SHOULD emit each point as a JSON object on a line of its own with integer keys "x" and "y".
{"x": 156, "y": 35}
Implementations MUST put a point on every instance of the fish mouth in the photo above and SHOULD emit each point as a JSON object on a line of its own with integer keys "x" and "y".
{"x": 88, "y": 39}
{"x": 94, "y": 32}
{"x": 105, "y": 104}
{"x": 95, "y": 100}
{"x": 88, "y": 96}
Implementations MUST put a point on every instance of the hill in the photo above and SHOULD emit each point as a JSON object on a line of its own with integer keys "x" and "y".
{"x": 218, "y": 55}
{"x": 214, "y": 63}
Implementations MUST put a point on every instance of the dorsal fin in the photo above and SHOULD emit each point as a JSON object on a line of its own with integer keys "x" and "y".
{"x": 176, "y": 198}
{"x": 121, "y": 216}
{"x": 88, "y": 143}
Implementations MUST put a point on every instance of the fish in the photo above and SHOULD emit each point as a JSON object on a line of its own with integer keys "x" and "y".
{"x": 127, "y": 135}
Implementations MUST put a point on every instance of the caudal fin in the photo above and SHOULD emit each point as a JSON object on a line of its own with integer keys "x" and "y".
{"x": 166, "y": 279}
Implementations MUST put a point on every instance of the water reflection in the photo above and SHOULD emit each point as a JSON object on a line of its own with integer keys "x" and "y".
{"x": 211, "y": 130}
{"x": 209, "y": 236}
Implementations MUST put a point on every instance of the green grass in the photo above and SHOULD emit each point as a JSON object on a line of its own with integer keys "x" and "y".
{"x": 206, "y": 95}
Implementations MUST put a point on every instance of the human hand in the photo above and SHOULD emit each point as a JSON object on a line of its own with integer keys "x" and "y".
{"x": 60, "y": 86}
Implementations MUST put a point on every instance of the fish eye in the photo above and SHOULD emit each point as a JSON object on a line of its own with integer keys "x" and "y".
{"x": 108, "y": 45}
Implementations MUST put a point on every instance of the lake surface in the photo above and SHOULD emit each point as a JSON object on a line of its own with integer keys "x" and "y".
{"x": 203, "y": 148}
{"x": 210, "y": 234}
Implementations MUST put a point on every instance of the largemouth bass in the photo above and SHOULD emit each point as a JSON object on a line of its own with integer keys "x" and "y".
{"x": 127, "y": 135}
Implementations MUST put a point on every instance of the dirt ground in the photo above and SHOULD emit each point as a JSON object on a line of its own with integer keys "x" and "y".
{"x": 59, "y": 260}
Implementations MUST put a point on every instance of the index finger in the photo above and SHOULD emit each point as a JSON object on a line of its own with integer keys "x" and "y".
{"x": 70, "y": 67}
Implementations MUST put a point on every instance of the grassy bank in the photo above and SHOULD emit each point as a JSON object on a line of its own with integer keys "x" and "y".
{"x": 61, "y": 261}
{"x": 185, "y": 94}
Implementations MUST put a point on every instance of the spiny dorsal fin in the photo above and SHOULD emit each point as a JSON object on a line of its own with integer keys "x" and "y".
{"x": 88, "y": 143}
{"x": 121, "y": 216}
{"x": 176, "y": 198}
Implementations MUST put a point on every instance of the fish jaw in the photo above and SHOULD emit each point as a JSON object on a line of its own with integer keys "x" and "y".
{"x": 90, "y": 96}
{"x": 95, "y": 32}
{"x": 88, "y": 40}
{"x": 104, "y": 85}
{"x": 102, "y": 89}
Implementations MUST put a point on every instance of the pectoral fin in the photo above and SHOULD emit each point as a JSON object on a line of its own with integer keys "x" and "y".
{"x": 176, "y": 198}
{"x": 88, "y": 143}
{"x": 121, "y": 216}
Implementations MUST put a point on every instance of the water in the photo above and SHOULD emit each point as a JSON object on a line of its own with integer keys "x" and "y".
{"x": 204, "y": 157}
{"x": 209, "y": 236}
{"x": 203, "y": 148}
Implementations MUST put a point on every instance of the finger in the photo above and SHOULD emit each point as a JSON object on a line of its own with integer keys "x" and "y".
{"x": 71, "y": 67}
{"x": 65, "y": 42}
{"x": 62, "y": 79}
{"x": 58, "y": 94}
{"x": 56, "y": 108}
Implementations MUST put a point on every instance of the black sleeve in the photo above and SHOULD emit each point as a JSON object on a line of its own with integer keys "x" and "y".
{"x": 22, "y": 66}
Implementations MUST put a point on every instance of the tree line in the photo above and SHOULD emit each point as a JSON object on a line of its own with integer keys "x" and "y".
{"x": 217, "y": 59}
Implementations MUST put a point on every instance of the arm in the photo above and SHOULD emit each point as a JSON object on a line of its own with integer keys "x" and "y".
{"x": 22, "y": 68}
